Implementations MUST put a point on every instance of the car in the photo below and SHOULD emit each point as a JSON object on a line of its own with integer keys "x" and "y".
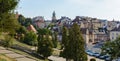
{"x": 96, "y": 54}
{"x": 102, "y": 57}
{"x": 89, "y": 52}
{"x": 106, "y": 56}
{"x": 107, "y": 59}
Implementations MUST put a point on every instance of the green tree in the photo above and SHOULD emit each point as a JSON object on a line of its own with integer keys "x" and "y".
{"x": 64, "y": 37}
{"x": 8, "y": 22}
{"x": 54, "y": 39}
{"x": 21, "y": 32}
{"x": 21, "y": 20}
{"x": 30, "y": 38}
{"x": 45, "y": 44}
{"x": 76, "y": 45}
{"x": 64, "y": 44}
{"x": 28, "y": 21}
{"x": 112, "y": 48}
{"x": 7, "y": 5}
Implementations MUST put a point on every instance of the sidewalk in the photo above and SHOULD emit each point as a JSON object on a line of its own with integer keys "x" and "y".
{"x": 14, "y": 55}
{"x": 55, "y": 58}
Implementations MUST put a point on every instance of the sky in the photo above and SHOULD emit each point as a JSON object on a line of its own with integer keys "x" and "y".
{"x": 102, "y": 9}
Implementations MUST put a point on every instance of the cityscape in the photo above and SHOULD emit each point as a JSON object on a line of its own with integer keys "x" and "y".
{"x": 27, "y": 36}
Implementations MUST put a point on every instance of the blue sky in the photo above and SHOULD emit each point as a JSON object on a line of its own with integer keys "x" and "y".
{"x": 103, "y": 9}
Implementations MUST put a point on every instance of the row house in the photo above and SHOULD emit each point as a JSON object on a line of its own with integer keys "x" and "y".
{"x": 112, "y": 24}
{"x": 93, "y": 30}
{"x": 114, "y": 33}
{"x": 38, "y": 22}
{"x": 63, "y": 21}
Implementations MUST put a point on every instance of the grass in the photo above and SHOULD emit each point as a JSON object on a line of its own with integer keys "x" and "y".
{"x": 5, "y": 58}
{"x": 56, "y": 51}
{"x": 58, "y": 45}
{"x": 21, "y": 44}
{"x": 2, "y": 38}
{"x": 25, "y": 54}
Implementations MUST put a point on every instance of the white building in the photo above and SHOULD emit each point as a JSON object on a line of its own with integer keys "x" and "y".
{"x": 39, "y": 22}
{"x": 114, "y": 33}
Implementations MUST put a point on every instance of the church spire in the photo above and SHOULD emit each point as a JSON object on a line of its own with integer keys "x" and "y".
{"x": 54, "y": 17}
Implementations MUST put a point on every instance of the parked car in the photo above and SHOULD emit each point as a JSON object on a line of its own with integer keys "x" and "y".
{"x": 102, "y": 57}
{"x": 107, "y": 59}
{"x": 96, "y": 54}
{"x": 89, "y": 52}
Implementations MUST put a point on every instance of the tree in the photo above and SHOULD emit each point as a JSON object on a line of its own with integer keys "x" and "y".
{"x": 8, "y": 22}
{"x": 112, "y": 48}
{"x": 76, "y": 45}
{"x": 54, "y": 39}
{"x": 7, "y": 5}
{"x": 30, "y": 38}
{"x": 64, "y": 37}
{"x": 20, "y": 33}
{"x": 28, "y": 21}
{"x": 22, "y": 30}
{"x": 64, "y": 44}
{"x": 45, "y": 44}
{"x": 21, "y": 20}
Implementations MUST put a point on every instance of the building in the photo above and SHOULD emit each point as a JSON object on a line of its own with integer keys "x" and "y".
{"x": 93, "y": 29}
{"x": 54, "y": 20}
{"x": 38, "y": 22}
{"x": 31, "y": 28}
{"x": 114, "y": 33}
{"x": 112, "y": 24}
{"x": 63, "y": 21}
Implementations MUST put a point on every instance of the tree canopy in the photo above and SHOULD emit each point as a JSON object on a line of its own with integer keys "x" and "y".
{"x": 74, "y": 44}
{"x": 7, "y": 5}
{"x": 112, "y": 48}
{"x": 45, "y": 44}
{"x": 8, "y": 22}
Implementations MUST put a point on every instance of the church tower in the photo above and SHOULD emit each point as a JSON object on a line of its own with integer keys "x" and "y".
{"x": 54, "y": 17}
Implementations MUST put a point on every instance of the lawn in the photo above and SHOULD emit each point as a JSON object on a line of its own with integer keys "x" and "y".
{"x": 26, "y": 54}
{"x": 56, "y": 51}
{"x": 5, "y": 58}
{"x": 2, "y": 38}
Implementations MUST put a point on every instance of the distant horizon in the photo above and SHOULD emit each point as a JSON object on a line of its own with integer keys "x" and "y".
{"x": 103, "y": 9}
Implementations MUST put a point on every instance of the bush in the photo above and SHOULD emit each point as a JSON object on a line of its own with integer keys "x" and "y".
{"x": 92, "y": 59}
{"x": 30, "y": 38}
{"x": 8, "y": 41}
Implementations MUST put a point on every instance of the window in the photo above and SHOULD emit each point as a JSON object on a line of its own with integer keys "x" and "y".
{"x": 113, "y": 34}
{"x": 112, "y": 37}
{"x": 116, "y": 34}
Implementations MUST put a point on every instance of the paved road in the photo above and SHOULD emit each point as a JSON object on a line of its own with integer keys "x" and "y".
{"x": 14, "y": 55}
{"x": 55, "y": 58}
